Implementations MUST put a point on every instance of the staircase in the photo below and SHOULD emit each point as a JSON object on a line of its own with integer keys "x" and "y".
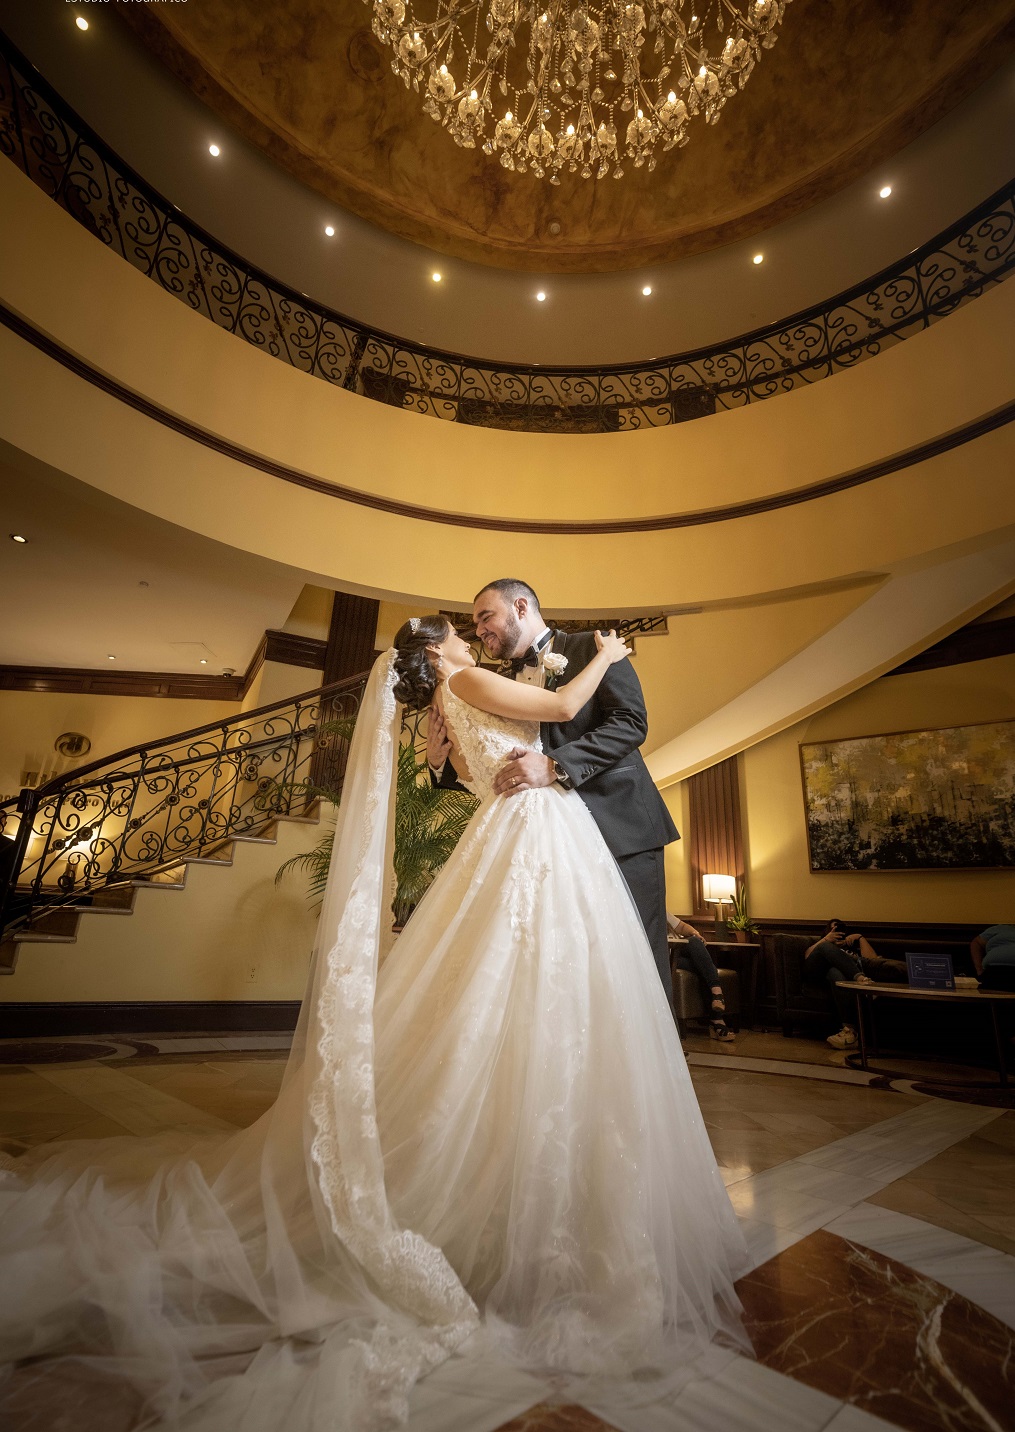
{"x": 60, "y": 924}
{"x": 91, "y": 841}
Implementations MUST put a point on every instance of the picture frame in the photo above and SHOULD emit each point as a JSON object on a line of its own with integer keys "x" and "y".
{"x": 930, "y": 799}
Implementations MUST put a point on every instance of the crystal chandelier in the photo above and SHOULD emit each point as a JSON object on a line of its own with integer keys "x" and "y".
{"x": 576, "y": 85}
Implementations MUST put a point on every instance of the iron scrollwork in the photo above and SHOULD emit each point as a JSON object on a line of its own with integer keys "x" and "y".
{"x": 139, "y": 815}
{"x": 68, "y": 161}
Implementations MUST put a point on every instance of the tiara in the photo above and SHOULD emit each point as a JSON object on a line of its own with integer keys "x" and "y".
{"x": 414, "y": 625}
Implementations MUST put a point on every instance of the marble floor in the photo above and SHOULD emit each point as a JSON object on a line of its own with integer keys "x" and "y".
{"x": 879, "y": 1219}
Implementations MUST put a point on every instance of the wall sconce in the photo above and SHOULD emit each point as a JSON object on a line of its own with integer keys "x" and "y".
{"x": 718, "y": 890}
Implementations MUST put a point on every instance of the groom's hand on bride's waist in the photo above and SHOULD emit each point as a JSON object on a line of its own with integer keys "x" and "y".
{"x": 524, "y": 770}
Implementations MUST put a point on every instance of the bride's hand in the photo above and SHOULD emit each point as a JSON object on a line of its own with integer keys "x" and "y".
{"x": 613, "y": 645}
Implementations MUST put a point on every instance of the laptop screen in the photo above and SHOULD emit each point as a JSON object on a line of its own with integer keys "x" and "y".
{"x": 930, "y": 971}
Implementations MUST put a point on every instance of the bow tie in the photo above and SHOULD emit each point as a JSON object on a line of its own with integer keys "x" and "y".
{"x": 531, "y": 657}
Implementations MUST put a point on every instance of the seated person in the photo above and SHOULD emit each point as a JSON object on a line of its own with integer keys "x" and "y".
{"x": 994, "y": 957}
{"x": 837, "y": 958}
{"x": 695, "y": 958}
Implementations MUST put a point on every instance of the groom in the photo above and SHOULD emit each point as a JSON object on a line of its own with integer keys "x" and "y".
{"x": 596, "y": 753}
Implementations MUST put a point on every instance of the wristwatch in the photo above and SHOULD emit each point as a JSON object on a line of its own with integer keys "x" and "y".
{"x": 563, "y": 779}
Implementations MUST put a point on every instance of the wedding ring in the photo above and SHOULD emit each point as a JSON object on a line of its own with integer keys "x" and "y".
{"x": 514, "y": 780}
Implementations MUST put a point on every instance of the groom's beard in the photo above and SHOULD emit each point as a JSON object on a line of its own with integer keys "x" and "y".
{"x": 505, "y": 645}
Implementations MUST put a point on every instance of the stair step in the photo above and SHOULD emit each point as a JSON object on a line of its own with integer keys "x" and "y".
{"x": 175, "y": 878}
{"x": 57, "y": 925}
{"x": 60, "y": 920}
{"x": 41, "y": 937}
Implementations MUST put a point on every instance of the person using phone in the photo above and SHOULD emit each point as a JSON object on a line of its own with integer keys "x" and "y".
{"x": 836, "y": 958}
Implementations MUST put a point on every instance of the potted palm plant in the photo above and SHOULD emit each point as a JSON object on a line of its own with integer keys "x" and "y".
{"x": 428, "y": 825}
{"x": 740, "y": 921}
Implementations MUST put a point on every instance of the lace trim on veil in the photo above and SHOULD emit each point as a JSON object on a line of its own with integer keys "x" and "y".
{"x": 407, "y": 1271}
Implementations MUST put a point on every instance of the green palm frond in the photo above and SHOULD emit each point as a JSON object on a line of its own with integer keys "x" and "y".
{"x": 429, "y": 823}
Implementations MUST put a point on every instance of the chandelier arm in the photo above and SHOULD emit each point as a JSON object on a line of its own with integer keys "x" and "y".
{"x": 573, "y": 50}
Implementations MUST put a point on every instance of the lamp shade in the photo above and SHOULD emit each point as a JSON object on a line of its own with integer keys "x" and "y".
{"x": 719, "y": 887}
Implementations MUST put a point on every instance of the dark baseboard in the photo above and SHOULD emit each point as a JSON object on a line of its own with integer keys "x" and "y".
{"x": 26, "y": 1021}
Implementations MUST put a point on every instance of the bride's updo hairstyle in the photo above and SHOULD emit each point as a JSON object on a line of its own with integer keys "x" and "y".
{"x": 417, "y": 675}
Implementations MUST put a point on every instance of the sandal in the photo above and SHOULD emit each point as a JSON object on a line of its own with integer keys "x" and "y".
{"x": 717, "y": 1026}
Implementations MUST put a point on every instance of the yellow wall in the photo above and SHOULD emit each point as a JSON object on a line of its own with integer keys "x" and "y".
{"x": 30, "y": 722}
{"x": 229, "y": 934}
{"x": 277, "y": 681}
{"x": 779, "y": 881}
{"x": 311, "y": 613}
{"x": 709, "y": 657}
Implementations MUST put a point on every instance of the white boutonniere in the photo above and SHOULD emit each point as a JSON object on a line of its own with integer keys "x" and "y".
{"x": 553, "y": 664}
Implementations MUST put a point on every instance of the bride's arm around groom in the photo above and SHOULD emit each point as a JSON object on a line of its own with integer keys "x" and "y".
{"x": 596, "y": 752}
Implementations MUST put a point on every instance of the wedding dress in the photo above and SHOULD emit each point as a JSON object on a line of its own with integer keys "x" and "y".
{"x": 486, "y": 1148}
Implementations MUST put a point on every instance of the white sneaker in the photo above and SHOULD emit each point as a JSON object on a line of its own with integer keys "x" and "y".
{"x": 845, "y": 1039}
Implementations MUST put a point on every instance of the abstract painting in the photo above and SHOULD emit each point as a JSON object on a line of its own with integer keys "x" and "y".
{"x": 912, "y": 800}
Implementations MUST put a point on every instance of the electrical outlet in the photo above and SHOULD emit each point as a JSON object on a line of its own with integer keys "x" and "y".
{"x": 251, "y": 974}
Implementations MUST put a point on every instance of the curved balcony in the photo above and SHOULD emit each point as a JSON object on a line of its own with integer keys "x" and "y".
{"x": 70, "y": 163}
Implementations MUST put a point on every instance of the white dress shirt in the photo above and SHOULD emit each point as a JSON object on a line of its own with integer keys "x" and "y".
{"x": 536, "y": 675}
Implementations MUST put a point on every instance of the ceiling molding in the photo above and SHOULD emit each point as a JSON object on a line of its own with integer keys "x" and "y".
{"x": 82, "y": 680}
{"x": 870, "y": 472}
{"x": 283, "y": 647}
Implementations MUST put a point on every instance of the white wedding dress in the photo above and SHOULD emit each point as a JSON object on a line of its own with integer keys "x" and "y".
{"x": 486, "y": 1149}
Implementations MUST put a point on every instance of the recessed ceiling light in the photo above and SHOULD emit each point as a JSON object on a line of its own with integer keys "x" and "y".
{"x": 17, "y": 537}
{"x": 885, "y": 191}
{"x": 110, "y": 658}
{"x": 436, "y": 277}
{"x": 204, "y": 661}
{"x": 214, "y": 150}
{"x": 759, "y": 258}
{"x": 540, "y": 297}
{"x": 329, "y": 229}
{"x": 81, "y": 23}
{"x": 646, "y": 291}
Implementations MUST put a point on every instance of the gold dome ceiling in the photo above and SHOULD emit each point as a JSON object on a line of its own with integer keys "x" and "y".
{"x": 849, "y": 83}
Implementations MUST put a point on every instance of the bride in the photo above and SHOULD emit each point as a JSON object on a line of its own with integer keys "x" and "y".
{"x": 486, "y": 1147}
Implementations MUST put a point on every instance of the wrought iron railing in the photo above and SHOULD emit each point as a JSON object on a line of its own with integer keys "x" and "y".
{"x": 139, "y": 814}
{"x": 60, "y": 153}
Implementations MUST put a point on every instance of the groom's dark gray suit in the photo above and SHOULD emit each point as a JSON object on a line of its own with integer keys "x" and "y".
{"x": 599, "y": 751}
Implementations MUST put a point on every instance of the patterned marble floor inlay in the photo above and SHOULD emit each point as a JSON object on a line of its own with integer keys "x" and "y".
{"x": 869, "y": 1330}
{"x": 983, "y": 1275}
{"x": 966, "y": 1188}
{"x": 913, "y": 1191}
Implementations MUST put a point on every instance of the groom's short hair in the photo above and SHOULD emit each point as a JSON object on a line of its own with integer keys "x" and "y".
{"x": 510, "y": 588}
